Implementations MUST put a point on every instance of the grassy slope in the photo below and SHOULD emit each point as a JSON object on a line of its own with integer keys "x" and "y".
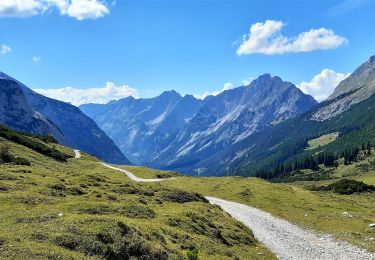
{"x": 147, "y": 173}
{"x": 69, "y": 210}
{"x": 321, "y": 141}
{"x": 320, "y": 211}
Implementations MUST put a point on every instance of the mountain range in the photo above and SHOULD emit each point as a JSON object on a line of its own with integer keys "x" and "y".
{"x": 240, "y": 131}
{"x": 25, "y": 110}
{"x": 349, "y": 111}
{"x": 189, "y": 134}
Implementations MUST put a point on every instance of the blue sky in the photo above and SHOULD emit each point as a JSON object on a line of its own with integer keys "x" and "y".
{"x": 189, "y": 46}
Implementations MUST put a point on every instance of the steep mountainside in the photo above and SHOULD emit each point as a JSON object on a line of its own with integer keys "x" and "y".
{"x": 31, "y": 112}
{"x": 286, "y": 142}
{"x": 227, "y": 119}
{"x": 186, "y": 134}
{"x": 142, "y": 127}
{"x": 356, "y": 88}
{"x": 16, "y": 112}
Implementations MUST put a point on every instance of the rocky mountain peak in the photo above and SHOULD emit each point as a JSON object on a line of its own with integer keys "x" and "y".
{"x": 170, "y": 94}
{"x": 359, "y": 86}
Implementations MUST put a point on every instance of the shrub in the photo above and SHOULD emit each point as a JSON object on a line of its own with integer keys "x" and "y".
{"x": 68, "y": 241}
{"x": 168, "y": 174}
{"x": 180, "y": 196}
{"x": 21, "y": 161}
{"x": 193, "y": 254}
{"x": 7, "y": 157}
{"x": 136, "y": 211}
{"x": 99, "y": 209}
{"x": 113, "y": 241}
{"x": 2, "y": 241}
{"x": 346, "y": 186}
{"x": 134, "y": 189}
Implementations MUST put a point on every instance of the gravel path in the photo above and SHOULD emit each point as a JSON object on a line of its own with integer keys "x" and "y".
{"x": 289, "y": 241}
{"x": 132, "y": 176}
{"x": 77, "y": 154}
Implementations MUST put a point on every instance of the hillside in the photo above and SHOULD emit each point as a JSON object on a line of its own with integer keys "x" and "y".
{"x": 78, "y": 208}
{"x": 25, "y": 110}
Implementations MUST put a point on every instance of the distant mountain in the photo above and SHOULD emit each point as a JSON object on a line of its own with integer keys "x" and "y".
{"x": 357, "y": 87}
{"x": 143, "y": 127}
{"x": 227, "y": 119}
{"x": 187, "y": 134}
{"x": 23, "y": 109}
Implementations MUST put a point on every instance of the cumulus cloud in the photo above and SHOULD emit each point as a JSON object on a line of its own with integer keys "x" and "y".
{"x": 79, "y": 9}
{"x": 247, "y": 81}
{"x": 227, "y": 86}
{"x": 323, "y": 84}
{"x": 78, "y": 96}
{"x": 4, "y": 49}
{"x": 86, "y": 9}
{"x": 266, "y": 38}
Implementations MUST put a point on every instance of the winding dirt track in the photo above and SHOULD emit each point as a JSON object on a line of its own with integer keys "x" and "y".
{"x": 77, "y": 154}
{"x": 132, "y": 176}
{"x": 287, "y": 241}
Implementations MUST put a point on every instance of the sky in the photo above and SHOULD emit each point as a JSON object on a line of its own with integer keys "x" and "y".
{"x": 93, "y": 51}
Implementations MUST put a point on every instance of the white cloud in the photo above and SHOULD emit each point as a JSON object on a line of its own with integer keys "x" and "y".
{"x": 79, "y": 9}
{"x": 4, "y": 49}
{"x": 36, "y": 59}
{"x": 266, "y": 38}
{"x": 247, "y": 81}
{"x": 87, "y": 9}
{"x": 227, "y": 86}
{"x": 323, "y": 84}
{"x": 20, "y": 8}
{"x": 91, "y": 95}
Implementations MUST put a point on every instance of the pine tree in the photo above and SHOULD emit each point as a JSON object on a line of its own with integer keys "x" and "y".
{"x": 368, "y": 148}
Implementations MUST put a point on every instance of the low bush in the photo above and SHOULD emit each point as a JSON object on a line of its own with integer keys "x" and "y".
{"x": 180, "y": 196}
{"x": 134, "y": 189}
{"x": 346, "y": 186}
{"x": 98, "y": 209}
{"x": 166, "y": 174}
{"x": 7, "y": 157}
{"x": 115, "y": 241}
{"x": 193, "y": 254}
{"x": 137, "y": 211}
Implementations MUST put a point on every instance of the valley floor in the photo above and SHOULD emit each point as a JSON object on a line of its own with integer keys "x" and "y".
{"x": 81, "y": 208}
{"x": 286, "y": 240}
